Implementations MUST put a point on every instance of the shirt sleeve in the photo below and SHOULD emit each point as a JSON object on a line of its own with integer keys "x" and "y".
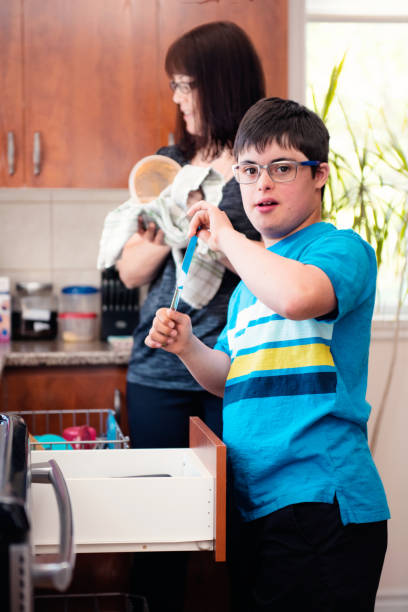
{"x": 222, "y": 342}
{"x": 350, "y": 264}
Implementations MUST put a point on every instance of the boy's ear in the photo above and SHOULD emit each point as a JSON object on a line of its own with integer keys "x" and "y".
{"x": 322, "y": 174}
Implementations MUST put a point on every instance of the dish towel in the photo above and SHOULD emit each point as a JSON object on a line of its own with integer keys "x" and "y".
{"x": 168, "y": 211}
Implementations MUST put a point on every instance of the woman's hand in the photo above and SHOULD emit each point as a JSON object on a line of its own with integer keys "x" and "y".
{"x": 214, "y": 224}
{"x": 171, "y": 331}
{"x": 149, "y": 231}
{"x": 143, "y": 255}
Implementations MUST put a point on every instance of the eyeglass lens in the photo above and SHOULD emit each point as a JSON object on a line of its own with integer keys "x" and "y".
{"x": 280, "y": 172}
{"x": 184, "y": 88}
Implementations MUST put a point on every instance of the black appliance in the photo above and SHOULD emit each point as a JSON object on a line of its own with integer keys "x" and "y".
{"x": 19, "y": 571}
{"x": 119, "y": 307}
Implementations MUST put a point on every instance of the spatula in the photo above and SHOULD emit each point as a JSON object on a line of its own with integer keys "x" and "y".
{"x": 184, "y": 270}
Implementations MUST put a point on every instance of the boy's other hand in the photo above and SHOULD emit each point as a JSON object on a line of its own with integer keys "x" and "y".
{"x": 212, "y": 221}
{"x": 171, "y": 330}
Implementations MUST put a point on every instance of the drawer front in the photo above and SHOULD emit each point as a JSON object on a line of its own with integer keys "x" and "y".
{"x": 119, "y": 505}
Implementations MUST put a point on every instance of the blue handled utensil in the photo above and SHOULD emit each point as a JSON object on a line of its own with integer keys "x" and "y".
{"x": 184, "y": 270}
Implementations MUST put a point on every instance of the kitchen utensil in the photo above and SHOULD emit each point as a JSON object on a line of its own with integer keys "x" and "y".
{"x": 120, "y": 306}
{"x": 184, "y": 271}
{"x": 150, "y": 176}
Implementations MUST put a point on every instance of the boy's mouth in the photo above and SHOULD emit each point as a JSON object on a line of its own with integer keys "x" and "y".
{"x": 265, "y": 204}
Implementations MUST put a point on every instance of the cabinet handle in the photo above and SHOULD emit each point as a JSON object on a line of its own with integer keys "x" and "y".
{"x": 170, "y": 139}
{"x": 37, "y": 153}
{"x": 11, "y": 151}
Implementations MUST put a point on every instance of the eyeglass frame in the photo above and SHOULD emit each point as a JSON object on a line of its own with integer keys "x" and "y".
{"x": 266, "y": 167}
{"x": 183, "y": 86}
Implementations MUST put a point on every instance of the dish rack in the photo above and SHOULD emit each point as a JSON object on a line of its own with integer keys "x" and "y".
{"x": 91, "y": 602}
{"x": 55, "y": 421}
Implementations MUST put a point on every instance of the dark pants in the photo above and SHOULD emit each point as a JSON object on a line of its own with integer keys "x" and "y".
{"x": 159, "y": 418}
{"x": 303, "y": 558}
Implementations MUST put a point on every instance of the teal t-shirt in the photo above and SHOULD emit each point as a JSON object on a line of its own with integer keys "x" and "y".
{"x": 295, "y": 413}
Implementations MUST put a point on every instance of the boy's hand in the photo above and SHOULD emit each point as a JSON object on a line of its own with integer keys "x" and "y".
{"x": 171, "y": 331}
{"x": 213, "y": 223}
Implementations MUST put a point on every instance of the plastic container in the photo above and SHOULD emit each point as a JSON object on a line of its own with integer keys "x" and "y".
{"x": 80, "y": 298}
{"x": 77, "y": 326}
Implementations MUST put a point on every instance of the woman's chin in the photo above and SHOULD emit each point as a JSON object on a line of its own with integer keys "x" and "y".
{"x": 190, "y": 126}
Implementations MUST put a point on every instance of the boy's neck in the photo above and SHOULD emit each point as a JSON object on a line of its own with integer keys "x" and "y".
{"x": 270, "y": 241}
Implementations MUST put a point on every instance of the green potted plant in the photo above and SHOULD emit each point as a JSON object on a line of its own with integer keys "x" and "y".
{"x": 367, "y": 191}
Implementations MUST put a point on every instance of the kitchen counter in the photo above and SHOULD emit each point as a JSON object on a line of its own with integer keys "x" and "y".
{"x": 55, "y": 353}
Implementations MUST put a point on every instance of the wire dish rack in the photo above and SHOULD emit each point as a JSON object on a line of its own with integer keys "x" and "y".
{"x": 91, "y": 602}
{"x": 40, "y": 422}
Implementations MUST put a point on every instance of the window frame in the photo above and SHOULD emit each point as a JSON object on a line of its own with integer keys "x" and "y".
{"x": 299, "y": 16}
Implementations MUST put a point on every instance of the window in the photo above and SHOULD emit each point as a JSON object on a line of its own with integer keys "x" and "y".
{"x": 371, "y": 104}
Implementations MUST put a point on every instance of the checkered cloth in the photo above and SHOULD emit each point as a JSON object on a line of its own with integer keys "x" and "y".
{"x": 168, "y": 211}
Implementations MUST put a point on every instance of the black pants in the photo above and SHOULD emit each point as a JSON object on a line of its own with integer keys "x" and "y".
{"x": 159, "y": 418}
{"x": 303, "y": 558}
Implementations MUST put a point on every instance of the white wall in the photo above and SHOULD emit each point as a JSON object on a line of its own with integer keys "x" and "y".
{"x": 52, "y": 235}
{"x": 391, "y": 457}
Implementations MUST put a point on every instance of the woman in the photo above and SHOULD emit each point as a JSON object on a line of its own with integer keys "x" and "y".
{"x": 215, "y": 75}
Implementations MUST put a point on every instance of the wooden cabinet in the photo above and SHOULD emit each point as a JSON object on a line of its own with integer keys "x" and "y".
{"x": 84, "y": 68}
{"x": 59, "y": 388}
{"x": 11, "y": 87}
{"x": 84, "y": 87}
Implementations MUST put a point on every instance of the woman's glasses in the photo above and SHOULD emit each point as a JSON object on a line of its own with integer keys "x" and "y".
{"x": 184, "y": 87}
{"x": 279, "y": 171}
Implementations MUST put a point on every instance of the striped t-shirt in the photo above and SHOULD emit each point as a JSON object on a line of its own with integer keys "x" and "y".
{"x": 295, "y": 412}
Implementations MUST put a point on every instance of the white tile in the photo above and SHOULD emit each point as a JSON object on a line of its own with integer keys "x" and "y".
{"x": 24, "y": 194}
{"x": 25, "y": 238}
{"x": 78, "y": 196}
{"x": 77, "y": 231}
{"x": 25, "y": 275}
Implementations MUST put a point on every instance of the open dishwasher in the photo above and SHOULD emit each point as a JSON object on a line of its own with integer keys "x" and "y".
{"x": 20, "y": 571}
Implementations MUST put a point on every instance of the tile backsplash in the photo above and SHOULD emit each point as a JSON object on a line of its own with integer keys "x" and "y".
{"x": 52, "y": 235}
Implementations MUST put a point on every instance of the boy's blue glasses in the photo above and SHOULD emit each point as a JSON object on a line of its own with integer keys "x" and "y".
{"x": 283, "y": 171}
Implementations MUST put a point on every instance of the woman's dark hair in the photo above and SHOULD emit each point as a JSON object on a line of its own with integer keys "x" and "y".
{"x": 228, "y": 77}
{"x": 285, "y": 122}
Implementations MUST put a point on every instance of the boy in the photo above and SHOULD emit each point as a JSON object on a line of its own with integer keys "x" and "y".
{"x": 291, "y": 365}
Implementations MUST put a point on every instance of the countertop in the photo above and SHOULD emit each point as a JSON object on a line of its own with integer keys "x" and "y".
{"x": 56, "y": 353}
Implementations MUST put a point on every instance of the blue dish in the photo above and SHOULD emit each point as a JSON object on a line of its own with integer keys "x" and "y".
{"x": 46, "y": 439}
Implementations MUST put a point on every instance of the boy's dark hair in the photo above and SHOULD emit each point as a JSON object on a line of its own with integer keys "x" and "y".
{"x": 228, "y": 77}
{"x": 287, "y": 123}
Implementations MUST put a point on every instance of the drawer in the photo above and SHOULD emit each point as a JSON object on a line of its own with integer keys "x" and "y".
{"x": 134, "y": 499}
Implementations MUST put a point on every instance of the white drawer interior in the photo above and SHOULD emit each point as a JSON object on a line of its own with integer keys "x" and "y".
{"x": 126, "y": 499}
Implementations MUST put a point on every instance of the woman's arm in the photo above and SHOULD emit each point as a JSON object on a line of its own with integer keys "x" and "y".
{"x": 142, "y": 256}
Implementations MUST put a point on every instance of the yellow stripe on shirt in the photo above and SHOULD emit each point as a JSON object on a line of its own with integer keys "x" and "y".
{"x": 301, "y": 356}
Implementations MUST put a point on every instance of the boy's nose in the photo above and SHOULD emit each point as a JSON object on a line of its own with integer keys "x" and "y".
{"x": 264, "y": 180}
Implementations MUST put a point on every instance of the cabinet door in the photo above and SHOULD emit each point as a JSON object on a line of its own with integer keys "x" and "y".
{"x": 11, "y": 88}
{"x": 265, "y": 21}
{"x": 90, "y": 87}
